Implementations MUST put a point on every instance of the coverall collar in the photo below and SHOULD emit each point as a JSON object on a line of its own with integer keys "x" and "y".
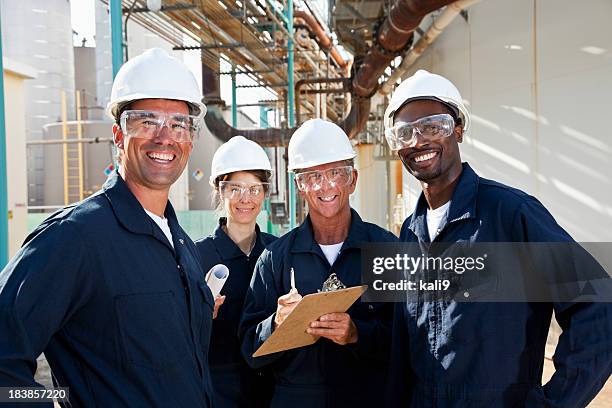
{"x": 305, "y": 242}
{"x": 131, "y": 214}
{"x": 462, "y": 204}
{"x": 228, "y": 248}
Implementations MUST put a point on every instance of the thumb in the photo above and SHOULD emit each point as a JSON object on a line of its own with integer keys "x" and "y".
{"x": 293, "y": 297}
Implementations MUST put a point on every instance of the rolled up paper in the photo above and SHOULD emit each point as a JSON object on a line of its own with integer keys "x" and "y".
{"x": 216, "y": 277}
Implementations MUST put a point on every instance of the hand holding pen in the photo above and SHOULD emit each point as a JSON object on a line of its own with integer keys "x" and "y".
{"x": 287, "y": 303}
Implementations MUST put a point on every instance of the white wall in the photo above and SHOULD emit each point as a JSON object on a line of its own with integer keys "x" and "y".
{"x": 370, "y": 196}
{"x": 15, "y": 76}
{"x": 537, "y": 76}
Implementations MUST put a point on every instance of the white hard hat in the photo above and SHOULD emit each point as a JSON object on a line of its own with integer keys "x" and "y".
{"x": 318, "y": 142}
{"x": 155, "y": 75}
{"x": 238, "y": 154}
{"x": 425, "y": 85}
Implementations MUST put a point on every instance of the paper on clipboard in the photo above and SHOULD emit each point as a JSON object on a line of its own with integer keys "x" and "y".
{"x": 292, "y": 332}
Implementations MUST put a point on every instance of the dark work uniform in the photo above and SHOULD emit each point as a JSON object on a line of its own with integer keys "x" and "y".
{"x": 123, "y": 318}
{"x": 324, "y": 374}
{"x": 235, "y": 384}
{"x": 451, "y": 354}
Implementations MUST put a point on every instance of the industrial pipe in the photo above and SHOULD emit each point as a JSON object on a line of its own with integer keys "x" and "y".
{"x": 323, "y": 40}
{"x": 436, "y": 28}
{"x": 4, "y": 227}
{"x": 269, "y": 137}
{"x": 395, "y": 33}
{"x": 116, "y": 35}
{"x": 298, "y": 85}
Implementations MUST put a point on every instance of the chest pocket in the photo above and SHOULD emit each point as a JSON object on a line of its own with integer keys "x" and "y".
{"x": 150, "y": 329}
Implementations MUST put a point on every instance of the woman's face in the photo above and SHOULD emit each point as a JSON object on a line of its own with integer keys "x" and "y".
{"x": 241, "y": 206}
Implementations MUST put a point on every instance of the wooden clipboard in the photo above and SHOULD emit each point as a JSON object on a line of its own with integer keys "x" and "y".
{"x": 292, "y": 332}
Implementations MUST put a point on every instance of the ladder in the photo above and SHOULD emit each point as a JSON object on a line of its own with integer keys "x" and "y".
{"x": 72, "y": 133}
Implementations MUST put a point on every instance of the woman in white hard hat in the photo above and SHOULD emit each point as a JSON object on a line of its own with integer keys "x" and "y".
{"x": 240, "y": 176}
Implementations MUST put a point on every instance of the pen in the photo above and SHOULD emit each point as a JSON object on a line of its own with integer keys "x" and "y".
{"x": 293, "y": 289}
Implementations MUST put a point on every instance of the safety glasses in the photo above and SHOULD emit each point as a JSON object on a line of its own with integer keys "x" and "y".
{"x": 404, "y": 134}
{"x": 313, "y": 180}
{"x": 146, "y": 124}
{"x": 234, "y": 190}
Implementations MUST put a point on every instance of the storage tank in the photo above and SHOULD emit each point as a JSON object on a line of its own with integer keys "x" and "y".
{"x": 38, "y": 33}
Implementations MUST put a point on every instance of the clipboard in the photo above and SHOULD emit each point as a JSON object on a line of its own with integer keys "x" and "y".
{"x": 292, "y": 332}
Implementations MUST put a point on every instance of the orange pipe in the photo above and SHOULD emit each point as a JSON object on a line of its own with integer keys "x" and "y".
{"x": 324, "y": 41}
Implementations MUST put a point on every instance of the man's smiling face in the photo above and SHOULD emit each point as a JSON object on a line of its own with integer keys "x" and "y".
{"x": 429, "y": 160}
{"x": 158, "y": 162}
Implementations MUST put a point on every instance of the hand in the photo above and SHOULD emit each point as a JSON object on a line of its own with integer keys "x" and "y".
{"x": 218, "y": 302}
{"x": 338, "y": 327}
{"x": 286, "y": 304}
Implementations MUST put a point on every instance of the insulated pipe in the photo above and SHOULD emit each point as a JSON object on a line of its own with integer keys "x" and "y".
{"x": 324, "y": 41}
{"x": 357, "y": 117}
{"x": 404, "y": 17}
{"x": 395, "y": 34}
{"x": 269, "y": 137}
{"x": 436, "y": 28}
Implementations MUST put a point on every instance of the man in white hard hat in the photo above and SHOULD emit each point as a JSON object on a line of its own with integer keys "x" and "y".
{"x": 459, "y": 353}
{"x": 111, "y": 288}
{"x": 347, "y": 366}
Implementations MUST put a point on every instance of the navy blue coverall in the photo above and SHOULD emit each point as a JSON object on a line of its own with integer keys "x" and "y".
{"x": 235, "y": 384}
{"x": 123, "y": 318}
{"x": 324, "y": 374}
{"x": 450, "y": 354}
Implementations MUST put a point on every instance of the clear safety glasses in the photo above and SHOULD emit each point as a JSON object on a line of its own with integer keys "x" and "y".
{"x": 147, "y": 124}
{"x": 404, "y": 134}
{"x": 234, "y": 190}
{"x": 313, "y": 180}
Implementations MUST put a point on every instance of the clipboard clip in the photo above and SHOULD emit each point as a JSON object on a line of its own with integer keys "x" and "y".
{"x": 332, "y": 283}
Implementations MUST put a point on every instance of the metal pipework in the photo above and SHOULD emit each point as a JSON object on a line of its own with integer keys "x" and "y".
{"x": 298, "y": 85}
{"x": 116, "y": 35}
{"x": 89, "y": 140}
{"x": 436, "y": 28}
{"x": 394, "y": 35}
{"x": 269, "y": 137}
{"x": 291, "y": 110}
{"x": 4, "y": 238}
{"x": 323, "y": 40}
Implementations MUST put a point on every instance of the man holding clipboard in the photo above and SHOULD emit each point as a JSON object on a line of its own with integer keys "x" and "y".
{"x": 348, "y": 364}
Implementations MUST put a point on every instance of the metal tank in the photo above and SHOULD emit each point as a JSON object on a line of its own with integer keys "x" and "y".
{"x": 38, "y": 33}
